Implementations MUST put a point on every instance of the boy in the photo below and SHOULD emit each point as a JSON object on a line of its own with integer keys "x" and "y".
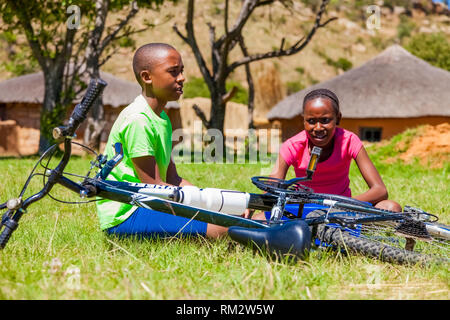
{"x": 145, "y": 132}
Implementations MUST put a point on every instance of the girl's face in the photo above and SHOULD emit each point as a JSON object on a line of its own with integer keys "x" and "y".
{"x": 320, "y": 120}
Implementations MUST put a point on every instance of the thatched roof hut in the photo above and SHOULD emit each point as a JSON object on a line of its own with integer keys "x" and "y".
{"x": 30, "y": 89}
{"x": 21, "y": 99}
{"x": 393, "y": 85}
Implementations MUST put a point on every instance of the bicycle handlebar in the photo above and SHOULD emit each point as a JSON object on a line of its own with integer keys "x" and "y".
{"x": 10, "y": 221}
{"x": 81, "y": 110}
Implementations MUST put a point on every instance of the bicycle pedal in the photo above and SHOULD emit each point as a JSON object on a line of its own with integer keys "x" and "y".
{"x": 413, "y": 229}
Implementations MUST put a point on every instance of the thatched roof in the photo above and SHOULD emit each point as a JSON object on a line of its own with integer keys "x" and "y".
{"x": 30, "y": 89}
{"x": 394, "y": 84}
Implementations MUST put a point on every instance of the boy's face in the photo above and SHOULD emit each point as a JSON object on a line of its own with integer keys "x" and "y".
{"x": 166, "y": 75}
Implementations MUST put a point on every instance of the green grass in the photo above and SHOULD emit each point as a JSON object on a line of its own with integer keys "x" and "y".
{"x": 54, "y": 239}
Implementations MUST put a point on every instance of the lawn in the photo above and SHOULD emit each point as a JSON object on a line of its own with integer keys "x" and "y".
{"x": 58, "y": 251}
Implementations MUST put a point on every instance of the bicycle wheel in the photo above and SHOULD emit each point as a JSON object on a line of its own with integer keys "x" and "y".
{"x": 392, "y": 241}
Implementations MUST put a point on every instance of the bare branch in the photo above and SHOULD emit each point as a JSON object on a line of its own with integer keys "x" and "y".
{"x": 123, "y": 35}
{"x": 192, "y": 42}
{"x": 212, "y": 34}
{"x": 105, "y": 59}
{"x": 251, "y": 87}
{"x": 227, "y": 42}
{"x": 177, "y": 31}
{"x": 230, "y": 94}
{"x": 134, "y": 8}
{"x": 328, "y": 21}
{"x": 201, "y": 115}
{"x": 246, "y": 10}
{"x": 266, "y": 2}
{"x": 298, "y": 46}
{"x": 101, "y": 10}
{"x": 225, "y": 22}
{"x": 25, "y": 22}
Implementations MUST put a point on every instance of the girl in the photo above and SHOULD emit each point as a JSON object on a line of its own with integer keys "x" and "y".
{"x": 321, "y": 116}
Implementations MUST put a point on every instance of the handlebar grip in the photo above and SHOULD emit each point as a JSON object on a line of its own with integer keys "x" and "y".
{"x": 94, "y": 89}
{"x": 10, "y": 226}
{"x": 81, "y": 110}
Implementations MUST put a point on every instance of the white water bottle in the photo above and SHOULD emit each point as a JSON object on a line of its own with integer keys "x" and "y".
{"x": 226, "y": 201}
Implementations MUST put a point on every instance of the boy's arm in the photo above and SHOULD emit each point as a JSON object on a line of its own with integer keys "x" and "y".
{"x": 148, "y": 172}
{"x": 174, "y": 178}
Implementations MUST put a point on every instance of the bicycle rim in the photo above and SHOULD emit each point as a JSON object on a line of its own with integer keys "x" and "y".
{"x": 386, "y": 241}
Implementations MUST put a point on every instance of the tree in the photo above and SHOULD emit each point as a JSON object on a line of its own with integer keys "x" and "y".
{"x": 50, "y": 47}
{"x": 431, "y": 47}
{"x": 67, "y": 48}
{"x": 103, "y": 42}
{"x": 221, "y": 47}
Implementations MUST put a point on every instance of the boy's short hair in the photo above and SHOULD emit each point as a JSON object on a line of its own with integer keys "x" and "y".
{"x": 145, "y": 56}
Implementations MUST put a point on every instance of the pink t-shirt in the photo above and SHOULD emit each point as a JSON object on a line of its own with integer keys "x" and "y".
{"x": 331, "y": 175}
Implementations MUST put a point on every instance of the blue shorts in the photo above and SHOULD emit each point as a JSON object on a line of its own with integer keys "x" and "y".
{"x": 146, "y": 223}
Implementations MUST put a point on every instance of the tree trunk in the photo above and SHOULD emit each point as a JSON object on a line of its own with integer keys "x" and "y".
{"x": 217, "y": 117}
{"x": 96, "y": 117}
{"x": 95, "y": 123}
{"x": 53, "y": 112}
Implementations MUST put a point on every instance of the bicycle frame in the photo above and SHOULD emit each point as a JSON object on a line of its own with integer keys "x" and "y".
{"x": 131, "y": 193}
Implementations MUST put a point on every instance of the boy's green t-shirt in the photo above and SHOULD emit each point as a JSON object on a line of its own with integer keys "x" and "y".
{"x": 142, "y": 133}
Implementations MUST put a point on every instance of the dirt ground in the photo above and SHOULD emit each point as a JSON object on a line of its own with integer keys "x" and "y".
{"x": 431, "y": 146}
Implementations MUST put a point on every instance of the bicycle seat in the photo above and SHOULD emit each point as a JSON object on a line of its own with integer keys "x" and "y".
{"x": 291, "y": 238}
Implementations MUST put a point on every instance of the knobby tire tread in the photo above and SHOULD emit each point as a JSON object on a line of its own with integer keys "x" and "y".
{"x": 367, "y": 247}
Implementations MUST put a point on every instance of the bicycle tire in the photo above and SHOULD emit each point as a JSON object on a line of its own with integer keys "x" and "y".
{"x": 371, "y": 245}
{"x": 369, "y": 248}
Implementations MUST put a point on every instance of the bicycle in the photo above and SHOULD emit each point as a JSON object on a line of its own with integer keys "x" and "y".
{"x": 292, "y": 229}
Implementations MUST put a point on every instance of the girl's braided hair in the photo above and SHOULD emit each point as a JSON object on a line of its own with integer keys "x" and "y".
{"x": 322, "y": 93}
